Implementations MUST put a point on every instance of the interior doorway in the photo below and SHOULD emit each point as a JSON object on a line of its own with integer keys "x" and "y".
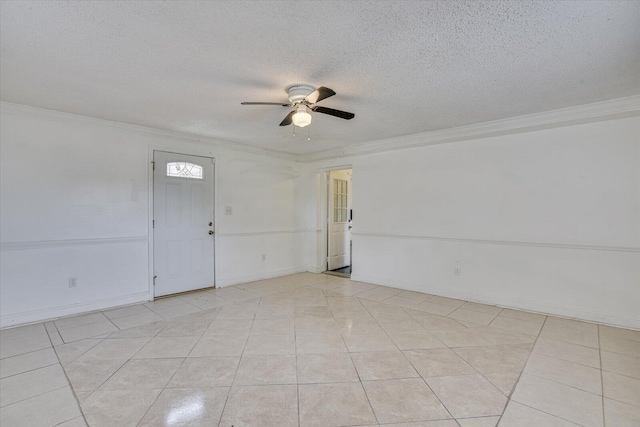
{"x": 183, "y": 223}
{"x": 339, "y": 222}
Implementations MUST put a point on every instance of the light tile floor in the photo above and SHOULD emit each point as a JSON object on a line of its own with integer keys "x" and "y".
{"x": 318, "y": 350}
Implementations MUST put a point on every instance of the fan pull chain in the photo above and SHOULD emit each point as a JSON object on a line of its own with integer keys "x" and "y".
{"x": 294, "y": 130}
{"x": 308, "y": 134}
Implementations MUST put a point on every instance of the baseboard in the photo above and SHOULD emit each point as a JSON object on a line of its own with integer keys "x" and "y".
{"x": 601, "y": 318}
{"x": 315, "y": 269}
{"x": 47, "y": 314}
{"x": 254, "y": 277}
{"x": 69, "y": 310}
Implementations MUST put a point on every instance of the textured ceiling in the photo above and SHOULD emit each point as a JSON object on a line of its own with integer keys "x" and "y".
{"x": 402, "y": 67}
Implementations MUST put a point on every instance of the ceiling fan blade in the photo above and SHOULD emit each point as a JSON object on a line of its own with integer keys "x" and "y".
{"x": 337, "y": 113}
{"x": 266, "y": 103}
{"x": 319, "y": 94}
{"x": 288, "y": 120}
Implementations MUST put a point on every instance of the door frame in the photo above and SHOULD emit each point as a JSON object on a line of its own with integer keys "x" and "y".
{"x": 150, "y": 164}
{"x": 323, "y": 204}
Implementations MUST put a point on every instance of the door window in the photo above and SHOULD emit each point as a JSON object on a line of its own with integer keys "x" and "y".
{"x": 339, "y": 200}
{"x": 184, "y": 170}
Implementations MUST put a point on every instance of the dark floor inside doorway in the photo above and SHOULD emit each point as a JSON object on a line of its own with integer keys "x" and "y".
{"x": 342, "y": 272}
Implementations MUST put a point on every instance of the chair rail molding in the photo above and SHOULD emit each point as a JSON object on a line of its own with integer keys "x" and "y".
{"x": 499, "y": 242}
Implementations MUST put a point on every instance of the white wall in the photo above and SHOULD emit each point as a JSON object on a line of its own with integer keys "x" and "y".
{"x": 74, "y": 202}
{"x": 547, "y": 220}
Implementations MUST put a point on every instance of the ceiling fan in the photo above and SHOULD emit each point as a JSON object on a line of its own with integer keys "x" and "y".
{"x": 303, "y": 99}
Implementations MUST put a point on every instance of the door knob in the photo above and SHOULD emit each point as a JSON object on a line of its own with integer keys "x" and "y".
{"x": 210, "y": 223}
{"x": 211, "y": 232}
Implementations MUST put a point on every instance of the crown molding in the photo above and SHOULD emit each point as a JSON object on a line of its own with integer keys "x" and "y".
{"x": 599, "y": 111}
{"x": 21, "y": 109}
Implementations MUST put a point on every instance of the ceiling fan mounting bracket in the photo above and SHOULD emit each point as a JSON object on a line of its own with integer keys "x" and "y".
{"x": 297, "y": 93}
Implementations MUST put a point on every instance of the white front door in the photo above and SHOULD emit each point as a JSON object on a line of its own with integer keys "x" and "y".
{"x": 339, "y": 239}
{"x": 183, "y": 239}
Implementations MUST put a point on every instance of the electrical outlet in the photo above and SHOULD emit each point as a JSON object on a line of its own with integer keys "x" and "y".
{"x": 73, "y": 282}
{"x": 457, "y": 271}
{"x": 264, "y": 257}
{"x": 228, "y": 210}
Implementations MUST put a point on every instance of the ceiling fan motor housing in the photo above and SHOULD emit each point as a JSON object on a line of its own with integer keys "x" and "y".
{"x": 303, "y": 99}
{"x": 297, "y": 93}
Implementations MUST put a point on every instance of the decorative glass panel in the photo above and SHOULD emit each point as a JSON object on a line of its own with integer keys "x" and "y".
{"x": 340, "y": 201}
{"x": 184, "y": 170}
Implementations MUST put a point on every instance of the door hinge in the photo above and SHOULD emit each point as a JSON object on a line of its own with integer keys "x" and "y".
{"x": 154, "y": 280}
{"x": 153, "y": 165}
{"x": 153, "y": 223}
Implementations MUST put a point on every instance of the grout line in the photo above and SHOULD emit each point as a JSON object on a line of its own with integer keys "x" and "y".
{"x": 150, "y": 406}
{"x": 401, "y": 352}
{"x": 295, "y": 349}
{"x": 473, "y": 367}
{"x": 235, "y": 374}
{"x": 112, "y": 374}
{"x": 544, "y": 412}
{"x": 563, "y": 384}
{"x": 34, "y": 369}
{"x": 73, "y": 391}
{"x": 181, "y": 364}
{"x": 375, "y": 416}
{"x": 604, "y": 421}
{"x": 515, "y": 385}
{"x": 72, "y": 419}
{"x": 54, "y": 326}
{"x": 83, "y": 353}
{"x": 36, "y": 395}
{"x": 162, "y": 390}
{"x": 59, "y": 364}
{"x": 324, "y": 293}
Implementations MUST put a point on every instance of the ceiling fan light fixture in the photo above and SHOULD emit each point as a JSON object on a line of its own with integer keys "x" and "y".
{"x": 302, "y": 117}
{"x": 303, "y": 99}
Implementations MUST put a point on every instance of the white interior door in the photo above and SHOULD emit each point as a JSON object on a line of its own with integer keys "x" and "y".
{"x": 339, "y": 239}
{"x": 183, "y": 228}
